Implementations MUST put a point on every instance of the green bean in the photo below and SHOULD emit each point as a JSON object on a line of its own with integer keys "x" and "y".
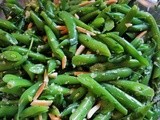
{"x": 26, "y": 66}
{"x": 37, "y": 69}
{"x": 51, "y": 65}
{"x": 50, "y": 23}
{"x": 54, "y": 89}
{"x": 5, "y": 24}
{"x": 113, "y": 74}
{"x": 129, "y": 48}
{"x": 25, "y": 38}
{"x": 82, "y": 24}
{"x": 15, "y": 81}
{"x": 26, "y": 97}
{"x": 125, "y": 99}
{"x": 10, "y": 56}
{"x": 97, "y": 89}
{"x": 8, "y": 111}
{"x": 112, "y": 44}
{"x": 94, "y": 45}
{"x": 80, "y": 112}
{"x": 33, "y": 55}
{"x": 37, "y": 21}
{"x": 33, "y": 111}
{"x": 140, "y": 112}
{"x": 13, "y": 91}
{"x": 7, "y": 38}
{"x": 14, "y": 7}
{"x": 89, "y": 59}
{"x": 6, "y": 65}
{"x": 98, "y": 22}
{"x": 53, "y": 43}
{"x": 72, "y": 32}
{"x": 69, "y": 109}
{"x": 138, "y": 28}
{"x": 77, "y": 94}
{"x": 121, "y": 27}
{"x": 86, "y": 18}
{"x": 136, "y": 88}
{"x": 65, "y": 79}
{"x": 106, "y": 116}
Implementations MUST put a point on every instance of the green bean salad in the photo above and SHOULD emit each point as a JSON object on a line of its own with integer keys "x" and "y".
{"x": 77, "y": 60}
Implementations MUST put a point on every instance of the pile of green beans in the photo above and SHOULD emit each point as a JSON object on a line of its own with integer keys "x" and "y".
{"x": 76, "y": 60}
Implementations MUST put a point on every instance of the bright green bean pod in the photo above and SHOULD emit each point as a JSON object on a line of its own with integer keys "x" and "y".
{"x": 98, "y": 22}
{"x": 77, "y": 94}
{"x": 6, "y": 65}
{"x": 138, "y": 28}
{"x": 8, "y": 111}
{"x": 65, "y": 79}
{"x": 125, "y": 99}
{"x": 72, "y": 32}
{"x": 121, "y": 27}
{"x": 25, "y": 38}
{"x": 13, "y": 91}
{"x": 12, "y": 56}
{"x": 5, "y": 24}
{"x": 69, "y": 109}
{"x": 80, "y": 112}
{"x": 97, "y": 89}
{"x": 26, "y": 66}
{"x": 50, "y": 23}
{"x": 87, "y": 59}
{"x": 15, "y": 81}
{"x": 37, "y": 21}
{"x": 108, "y": 75}
{"x": 135, "y": 87}
{"x": 101, "y": 116}
{"x": 7, "y": 38}
{"x": 33, "y": 111}
{"x": 51, "y": 66}
{"x": 94, "y": 45}
{"x": 26, "y": 97}
{"x": 53, "y": 43}
{"x": 129, "y": 48}
{"x": 86, "y": 18}
{"x": 33, "y": 55}
{"x": 112, "y": 44}
{"x": 54, "y": 89}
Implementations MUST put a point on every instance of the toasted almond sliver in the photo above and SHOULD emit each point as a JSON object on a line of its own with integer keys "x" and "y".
{"x": 61, "y": 27}
{"x": 93, "y": 110}
{"x": 64, "y": 32}
{"x": 64, "y": 62}
{"x": 53, "y": 117}
{"x": 80, "y": 50}
{"x": 76, "y": 16}
{"x": 39, "y": 91}
{"x": 46, "y": 79}
{"x": 128, "y": 25}
{"x": 80, "y": 29}
{"x": 109, "y": 2}
{"x": 141, "y": 34}
{"x": 86, "y": 3}
{"x": 29, "y": 25}
{"x": 53, "y": 75}
{"x": 42, "y": 102}
{"x": 78, "y": 73}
